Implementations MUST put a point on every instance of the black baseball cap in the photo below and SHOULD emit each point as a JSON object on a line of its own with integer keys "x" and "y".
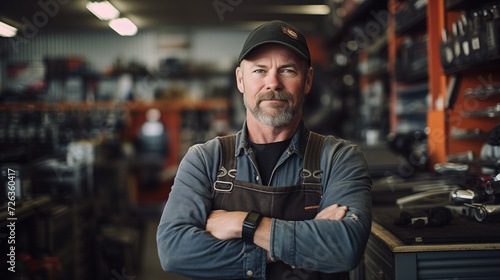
{"x": 276, "y": 32}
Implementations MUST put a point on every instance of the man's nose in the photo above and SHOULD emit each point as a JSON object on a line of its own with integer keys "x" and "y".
{"x": 273, "y": 81}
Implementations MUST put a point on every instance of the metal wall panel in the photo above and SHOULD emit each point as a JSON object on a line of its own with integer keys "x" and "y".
{"x": 99, "y": 49}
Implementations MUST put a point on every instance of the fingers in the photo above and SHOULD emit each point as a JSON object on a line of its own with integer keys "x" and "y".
{"x": 225, "y": 225}
{"x": 340, "y": 213}
{"x": 216, "y": 212}
{"x": 326, "y": 212}
{"x": 332, "y": 212}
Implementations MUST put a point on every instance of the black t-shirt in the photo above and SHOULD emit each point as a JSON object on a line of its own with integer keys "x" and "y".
{"x": 267, "y": 156}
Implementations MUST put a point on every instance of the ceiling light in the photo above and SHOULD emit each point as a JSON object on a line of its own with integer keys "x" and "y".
{"x": 298, "y": 9}
{"x": 103, "y": 10}
{"x": 123, "y": 26}
{"x": 7, "y": 30}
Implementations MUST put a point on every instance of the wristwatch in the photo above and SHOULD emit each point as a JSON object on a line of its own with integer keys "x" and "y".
{"x": 250, "y": 224}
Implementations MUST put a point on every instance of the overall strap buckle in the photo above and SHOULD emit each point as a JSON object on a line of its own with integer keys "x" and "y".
{"x": 311, "y": 174}
{"x": 222, "y": 186}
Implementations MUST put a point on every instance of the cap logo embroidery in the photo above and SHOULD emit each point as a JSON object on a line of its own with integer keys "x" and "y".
{"x": 292, "y": 34}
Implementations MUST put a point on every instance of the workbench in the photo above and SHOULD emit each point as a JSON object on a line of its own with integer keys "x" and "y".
{"x": 388, "y": 256}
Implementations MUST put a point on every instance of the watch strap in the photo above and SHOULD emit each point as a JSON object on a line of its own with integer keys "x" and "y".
{"x": 250, "y": 224}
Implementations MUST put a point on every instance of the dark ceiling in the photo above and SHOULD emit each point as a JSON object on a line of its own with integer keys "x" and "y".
{"x": 146, "y": 14}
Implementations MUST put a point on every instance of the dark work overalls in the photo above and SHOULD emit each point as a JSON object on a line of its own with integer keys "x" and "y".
{"x": 297, "y": 202}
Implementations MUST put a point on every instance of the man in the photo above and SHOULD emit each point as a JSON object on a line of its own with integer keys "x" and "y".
{"x": 275, "y": 201}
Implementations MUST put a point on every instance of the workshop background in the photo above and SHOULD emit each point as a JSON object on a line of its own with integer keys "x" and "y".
{"x": 96, "y": 113}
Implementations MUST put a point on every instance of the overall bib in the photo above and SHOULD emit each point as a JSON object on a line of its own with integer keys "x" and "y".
{"x": 295, "y": 203}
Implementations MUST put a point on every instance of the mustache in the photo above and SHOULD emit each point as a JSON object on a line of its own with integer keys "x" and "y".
{"x": 274, "y": 95}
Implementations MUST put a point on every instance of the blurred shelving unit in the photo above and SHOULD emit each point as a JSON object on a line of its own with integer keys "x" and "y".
{"x": 72, "y": 103}
{"x": 464, "y": 84}
{"x": 442, "y": 87}
{"x": 356, "y": 34}
{"x": 96, "y": 196}
{"x": 408, "y": 66}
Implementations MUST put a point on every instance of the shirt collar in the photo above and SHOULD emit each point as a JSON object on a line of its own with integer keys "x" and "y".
{"x": 297, "y": 145}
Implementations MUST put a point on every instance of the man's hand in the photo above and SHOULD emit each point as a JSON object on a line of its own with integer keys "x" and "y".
{"x": 332, "y": 212}
{"x": 225, "y": 225}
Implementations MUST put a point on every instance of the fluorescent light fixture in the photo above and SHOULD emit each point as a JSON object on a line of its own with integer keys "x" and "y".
{"x": 7, "y": 30}
{"x": 298, "y": 9}
{"x": 103, "y": 10}
{"x": 123, "y": 26}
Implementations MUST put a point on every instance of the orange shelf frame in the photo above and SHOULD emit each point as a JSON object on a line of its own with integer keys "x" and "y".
{"x": 436, "y": 119}
{"x": 441, "y": 120}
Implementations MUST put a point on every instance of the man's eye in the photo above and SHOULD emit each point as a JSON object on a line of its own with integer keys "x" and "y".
{"x": 259, "y": 71}
{"x": 288, "y": 71}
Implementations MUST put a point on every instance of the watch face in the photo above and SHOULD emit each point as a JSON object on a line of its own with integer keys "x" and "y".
{"x": 252, "y": 218}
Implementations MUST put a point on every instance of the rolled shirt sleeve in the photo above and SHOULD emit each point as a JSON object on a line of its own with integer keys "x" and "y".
{"x": 184, "y": 247}
{"x": 327, "y": 245}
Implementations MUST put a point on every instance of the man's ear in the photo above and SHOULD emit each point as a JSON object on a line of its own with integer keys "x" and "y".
{"x": 239, "y": 79}
{"x": 309, "y": 79}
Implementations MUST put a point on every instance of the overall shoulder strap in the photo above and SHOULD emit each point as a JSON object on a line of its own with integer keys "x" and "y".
{"x": 228, "y": 145}
{"x": 312, "y": 172}
{"x": 227, "y": 171}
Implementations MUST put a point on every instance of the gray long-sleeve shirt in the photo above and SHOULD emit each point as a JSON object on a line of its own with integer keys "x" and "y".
{"x": 185, "y": 248}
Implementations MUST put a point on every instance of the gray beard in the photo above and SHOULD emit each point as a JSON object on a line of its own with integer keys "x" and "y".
{"x": 283, "y": 116}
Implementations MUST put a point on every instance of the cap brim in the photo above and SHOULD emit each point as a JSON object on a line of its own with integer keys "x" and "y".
{"x": 297, "y": 51}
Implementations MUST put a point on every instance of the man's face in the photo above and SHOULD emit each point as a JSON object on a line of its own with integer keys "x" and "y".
{"x": 274, "y": 81}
